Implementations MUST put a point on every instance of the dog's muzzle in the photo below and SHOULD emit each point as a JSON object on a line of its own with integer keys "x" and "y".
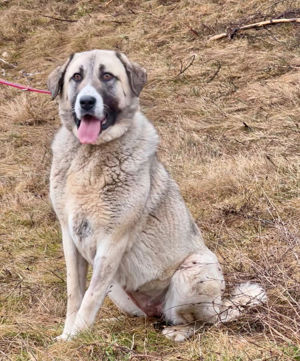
{"x": 89, "y": 115}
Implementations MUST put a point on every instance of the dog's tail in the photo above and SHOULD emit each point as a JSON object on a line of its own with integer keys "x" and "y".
{"x": 245, "y": 295}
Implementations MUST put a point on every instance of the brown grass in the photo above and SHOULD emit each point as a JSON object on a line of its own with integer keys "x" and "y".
{"x": 229, "y": 129}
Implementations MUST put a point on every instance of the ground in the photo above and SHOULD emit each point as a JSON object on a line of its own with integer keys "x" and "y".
{"x": 227, "y": 112}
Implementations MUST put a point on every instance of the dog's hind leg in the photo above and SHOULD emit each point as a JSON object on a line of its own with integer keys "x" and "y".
{"x": 121, "y": 299}
{"x": 194, "y": 295}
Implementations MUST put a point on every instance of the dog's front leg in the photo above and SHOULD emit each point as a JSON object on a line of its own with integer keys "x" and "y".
{"x": 106, "y": 262}
{"x": 76, "y": 280}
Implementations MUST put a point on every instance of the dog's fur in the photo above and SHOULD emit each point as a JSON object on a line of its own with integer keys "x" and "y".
{"x": 121, "y": 212}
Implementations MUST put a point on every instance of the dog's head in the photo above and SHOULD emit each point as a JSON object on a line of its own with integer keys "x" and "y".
{"x": 98, "y": 94}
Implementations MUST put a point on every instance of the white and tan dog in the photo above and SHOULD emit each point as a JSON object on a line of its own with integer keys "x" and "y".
{"x": 121, "y": 212}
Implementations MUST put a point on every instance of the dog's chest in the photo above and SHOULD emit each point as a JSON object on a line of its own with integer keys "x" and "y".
{"x": 93, "y": 189}
{"x": 85, "y": 185}
{"x": 86, "y": 209}
{"x": 88, "y": 201}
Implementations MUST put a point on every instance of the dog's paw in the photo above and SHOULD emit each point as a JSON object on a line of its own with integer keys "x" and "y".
{"x": 63, "y": 337}
{"x": 178, "y": 333}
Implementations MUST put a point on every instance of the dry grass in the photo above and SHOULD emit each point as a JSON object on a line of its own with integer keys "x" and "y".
{"x": 230, "y": 136}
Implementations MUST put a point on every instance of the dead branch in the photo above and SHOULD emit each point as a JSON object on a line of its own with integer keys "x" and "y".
{"x": 255, "y": 25}
{"x": 184, "y": 68}
{"x": 106, "y": 4}
{"x": 7, "y": 63}
{"x": 195, "y": 32}
{"x": 212, "y": 77}
{"x": 59, "y": 19}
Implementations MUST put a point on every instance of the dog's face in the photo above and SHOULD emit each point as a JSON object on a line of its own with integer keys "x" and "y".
{"x": 98, "y": 94}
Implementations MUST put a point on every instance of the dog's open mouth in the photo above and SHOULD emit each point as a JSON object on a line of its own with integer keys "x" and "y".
{"x": 90, "y": 127}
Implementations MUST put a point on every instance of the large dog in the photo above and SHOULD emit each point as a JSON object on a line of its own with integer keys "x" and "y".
{"x": 121, "y": 212}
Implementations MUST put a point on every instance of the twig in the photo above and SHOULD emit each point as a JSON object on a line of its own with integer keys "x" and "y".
{"x": 7, "y": 63}
{"x": 132, "y": 11}
{"x": 5, "y": 355}
{"x": 189, "y": 64}
{"x": 271, "y": 161}
{"x": 247, "y": 126}
{"x": 256, "y": 25}
{"x": 106, "y": 4}
{"x": 195, "y": 32}
{"x": 212, "y": 77}
{"x": 56, "y": 275}
{"x": 59, "y": 19}
{"x": 118, "y": 22}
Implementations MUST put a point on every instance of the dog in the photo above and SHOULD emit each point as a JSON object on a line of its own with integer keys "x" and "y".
{"x": 121, "y": 212}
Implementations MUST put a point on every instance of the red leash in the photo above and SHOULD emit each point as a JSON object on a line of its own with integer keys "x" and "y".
{"x": 23, "y": 87}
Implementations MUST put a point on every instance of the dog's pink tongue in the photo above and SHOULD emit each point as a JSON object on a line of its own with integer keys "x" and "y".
{"x": 89, "y": 130}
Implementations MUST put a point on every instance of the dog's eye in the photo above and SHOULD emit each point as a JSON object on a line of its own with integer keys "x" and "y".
{"x": 106, "y": 76}
{"x": 77, "y": 77}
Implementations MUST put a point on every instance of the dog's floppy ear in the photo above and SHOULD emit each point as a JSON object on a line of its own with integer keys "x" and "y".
{"x": 56, "y": 78}
{"x": 136, "y": 74}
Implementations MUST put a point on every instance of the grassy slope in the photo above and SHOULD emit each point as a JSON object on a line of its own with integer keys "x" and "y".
{"x": 229, "y": 127}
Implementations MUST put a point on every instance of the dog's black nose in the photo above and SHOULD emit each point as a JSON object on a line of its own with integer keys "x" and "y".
{"x": 87, "y": 102}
